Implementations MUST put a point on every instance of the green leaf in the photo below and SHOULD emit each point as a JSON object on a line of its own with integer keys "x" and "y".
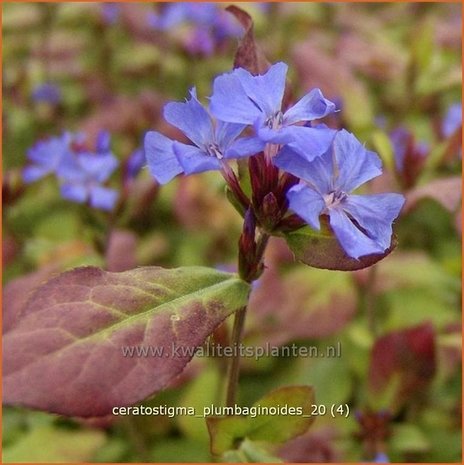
{"x": 228, "y": 433}
{"x": 322, "y": 250}
{"x": 382, "y": 145}
{"x": 280, "y": 428}
{"x": 180, "y": 450}
{"x": 423, "y": 46}
{"x": 249, "y": 452}
{"x": 200, "y": 394}
{"x": 408, "y": 438}
{"x": 50, "y": 444}
{"x": 70, "y": 350}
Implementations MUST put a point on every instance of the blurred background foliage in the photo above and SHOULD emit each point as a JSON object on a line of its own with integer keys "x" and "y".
{"x": 389, "y": 67}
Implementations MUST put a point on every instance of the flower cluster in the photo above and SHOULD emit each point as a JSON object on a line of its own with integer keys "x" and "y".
{"x": 80, "y": 172}
{"x": 293, "y": 162}
{"x": 209, "y": 24}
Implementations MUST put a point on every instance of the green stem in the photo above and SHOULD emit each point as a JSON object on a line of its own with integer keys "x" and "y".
{"x": 237, "y": 331}
{"x": 234, "y": 366}
{"x": 139, "y": 443}
{"x": 370, "y": 301}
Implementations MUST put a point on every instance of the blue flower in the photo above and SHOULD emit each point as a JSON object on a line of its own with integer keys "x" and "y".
{"x": 214, "y": 142}
{"x": 403, "y": 145}
{"x": 83, "y": 173}
{"x": 211, "y": 25}
{"x": 452, "y": 120}
{"x": 47, "y": 92}
{"x": 46, "y": 156}
{"x": 110, "y": 12}
{"x": 361, "y": 223}
{"x": 80, "y": 172}
{"x": 381, "y": 457}
{"x": 240, "y": 97}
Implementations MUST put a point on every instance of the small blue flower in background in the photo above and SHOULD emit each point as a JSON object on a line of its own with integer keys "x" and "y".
{"x": 46, "y": 156}
{"x": 110, "y": 12}
{"x": 452, "y": 120}
{"x": 83, "y": 174}
{"x": 402, "y": 143}
{"x": 361, "y": 223}
{"x": 200, "y": 41}
{"x": 381, "y": 457}
{"x": 80, "y": 172}
{"x": 211, "y": 24}
{"x": 47, "y": 92}
{"x": 240, "y": 97}
{"x": 215, "y": 142}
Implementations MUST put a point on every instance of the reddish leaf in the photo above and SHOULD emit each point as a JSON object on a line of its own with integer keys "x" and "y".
{"x": 120, "y": 254}
{"x": 407, "y": 355}
{"x": 312, "y": 447}
{"x": 446, "y": 191}
{"x": 17, "y": 292}
{"x": 305, "y": 303}
{"x": 248, "y": 56}
{"x": 65, "y": 354}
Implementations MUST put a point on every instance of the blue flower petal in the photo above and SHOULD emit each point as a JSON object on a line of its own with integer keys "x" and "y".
{"x": 291, "y": 162}
{"x": 375, "y": 214}
{"x": 34, "y": 172}
{"x": 194, "y": 160}
{"x": 307, "y": 203}
{"x": 312, "y": 106}
{"x": 226, "y": 133}
{"x": 74, "y": 192}
{"x": 102, "y": 197}
{"x": 98, "y": 166}
{"x": 70, "y": 169}
{"x": 355, "y": 164}
{"x": 161, "y": 159}
{"x": 191, "y": 118}
{"x": 230, "y": 103}
{"x": 355, "y": 243}
{"x": 308, "y": 142}
{"x": 265, "y": 90}
{"x": 48, "y": 152}
{"x": 245, "y": 147}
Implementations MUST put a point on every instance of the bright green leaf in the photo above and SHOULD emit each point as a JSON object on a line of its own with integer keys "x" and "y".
{"x": 50, "y": 444}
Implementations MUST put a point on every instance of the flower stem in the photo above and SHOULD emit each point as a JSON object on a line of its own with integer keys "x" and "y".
{"x": 237, "y": 331}
{"x": 234, "y": 366}
{"x": 370, "y": 301}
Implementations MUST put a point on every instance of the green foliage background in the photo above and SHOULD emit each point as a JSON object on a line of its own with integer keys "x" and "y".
{"x": 391, "y": 65}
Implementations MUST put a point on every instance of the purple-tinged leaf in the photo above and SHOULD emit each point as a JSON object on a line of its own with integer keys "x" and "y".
{"x": 305, "y": 303}
{"x": 445, "y": 191}
{"x": 17, "y": 292}
{"x": 121, "y": 251}
{"x": 248, "y": 56}
{"x": 403, "y": 363}
{"x": 65, "y": 354}
{"x": 322, "y": 250}
{"x": 315, "y": 446}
